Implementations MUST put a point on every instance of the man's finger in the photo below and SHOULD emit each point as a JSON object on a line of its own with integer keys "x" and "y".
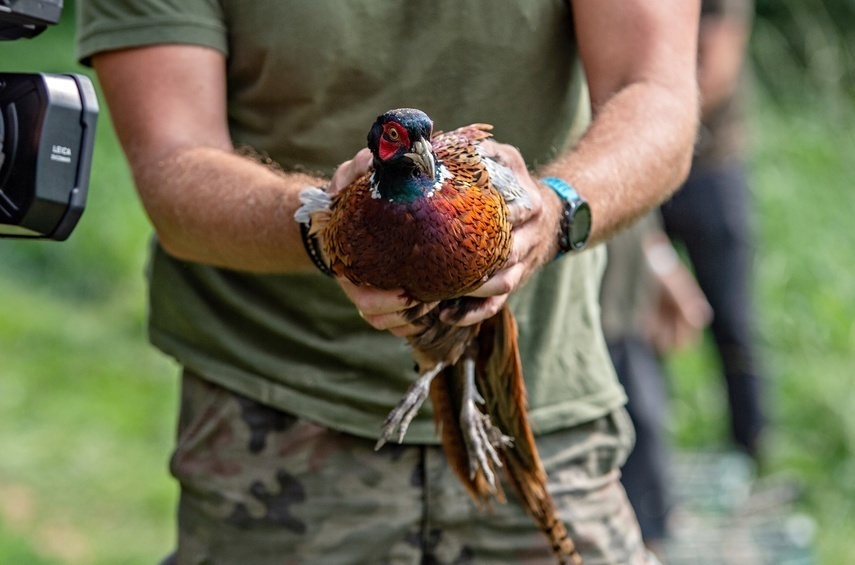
{"x": 373, "y": 301}
{"x": 503, "y": 282}
{"x": 487, "y": 309}
{"x": 350, "y": 170}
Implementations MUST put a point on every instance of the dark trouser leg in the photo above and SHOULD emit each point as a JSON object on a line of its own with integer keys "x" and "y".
{"x": 710, "y": 216}
{"x": 645, "y": 473}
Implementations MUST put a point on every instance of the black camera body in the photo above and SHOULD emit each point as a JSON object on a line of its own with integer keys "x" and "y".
{"x": 47, "y": 136}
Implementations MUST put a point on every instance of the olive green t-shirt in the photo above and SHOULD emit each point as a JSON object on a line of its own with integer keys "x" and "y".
{"x": 306, "y": 79}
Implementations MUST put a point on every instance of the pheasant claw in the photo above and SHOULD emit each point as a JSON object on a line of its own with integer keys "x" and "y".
{"x": 478, "y": 447}
{"x": 401, "y": 416}
{"x": 480, "y": 436}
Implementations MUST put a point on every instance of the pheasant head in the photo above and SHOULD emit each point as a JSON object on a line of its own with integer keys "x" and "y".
{"x": 405, "y": 163}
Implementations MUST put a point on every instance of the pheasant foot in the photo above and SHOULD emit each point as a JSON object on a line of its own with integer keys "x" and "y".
{"x": 401, "y": 416}
{"x": 481, "y": 437}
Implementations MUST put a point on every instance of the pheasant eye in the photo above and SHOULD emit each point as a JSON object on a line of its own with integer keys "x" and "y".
{"x": 392, "y": 134}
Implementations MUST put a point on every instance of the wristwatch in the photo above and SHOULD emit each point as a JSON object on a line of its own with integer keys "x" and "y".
{"x": 575, "y": 225}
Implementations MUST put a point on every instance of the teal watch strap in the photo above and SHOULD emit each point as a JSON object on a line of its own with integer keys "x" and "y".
{"x": 576, "y": 219}
{"x": 564, "y": 190}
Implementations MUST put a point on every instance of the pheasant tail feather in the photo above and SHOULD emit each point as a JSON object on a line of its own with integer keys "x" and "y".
{"x": 500, "y": 380}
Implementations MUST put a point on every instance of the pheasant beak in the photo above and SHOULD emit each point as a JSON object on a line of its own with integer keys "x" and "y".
{"x": 422, "y": 156}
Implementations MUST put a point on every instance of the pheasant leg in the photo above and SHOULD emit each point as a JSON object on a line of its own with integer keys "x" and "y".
{"x": 401, "y": 416}
{"x": 481, "y": 437}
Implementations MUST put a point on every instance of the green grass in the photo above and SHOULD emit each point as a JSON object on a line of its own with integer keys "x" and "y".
{"x": 87, "y": 408}
{"x": 807, "y": 296}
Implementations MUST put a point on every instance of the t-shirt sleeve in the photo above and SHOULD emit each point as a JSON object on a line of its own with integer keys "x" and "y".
{"x": 105, "y": 25}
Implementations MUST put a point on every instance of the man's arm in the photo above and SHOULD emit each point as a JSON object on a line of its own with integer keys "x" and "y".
{"x": 206, "y": 203}
{"x": 640, "y": 62}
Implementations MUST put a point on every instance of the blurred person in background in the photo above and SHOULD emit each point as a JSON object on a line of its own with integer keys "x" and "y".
{"x": 710, "y": 214}
{"x": 650, "y": 306}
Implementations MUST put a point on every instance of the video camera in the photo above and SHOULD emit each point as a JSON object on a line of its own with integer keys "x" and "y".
{"x": 47, "y": 135}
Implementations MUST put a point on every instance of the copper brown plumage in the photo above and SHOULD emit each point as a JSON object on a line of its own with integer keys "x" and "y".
{"x": 387, "y": 243}
{"x": 431, "y": 218}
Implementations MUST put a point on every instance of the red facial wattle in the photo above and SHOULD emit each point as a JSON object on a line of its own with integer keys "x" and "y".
{"x": 394, "y": 138}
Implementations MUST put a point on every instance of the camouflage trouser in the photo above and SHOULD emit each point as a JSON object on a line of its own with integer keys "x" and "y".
{"x": 263, "y": 487}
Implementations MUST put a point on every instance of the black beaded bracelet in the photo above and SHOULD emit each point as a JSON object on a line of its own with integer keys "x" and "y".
{"x": 313, "y": 248}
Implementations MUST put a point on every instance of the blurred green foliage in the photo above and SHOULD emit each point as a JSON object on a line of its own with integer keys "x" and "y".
{"x": 801, "y": 171}
{"x": 87, "y": 407}
{"x": 804, "y": 51}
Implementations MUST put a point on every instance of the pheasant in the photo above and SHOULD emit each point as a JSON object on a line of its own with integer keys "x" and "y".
{"x": 431, "y": 218}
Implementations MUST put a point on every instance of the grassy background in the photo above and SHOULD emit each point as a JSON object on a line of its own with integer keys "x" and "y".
{"x": 87, "y": 408}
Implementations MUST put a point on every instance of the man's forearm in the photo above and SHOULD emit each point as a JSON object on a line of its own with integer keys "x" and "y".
{"x": 207, "y": 204}
{"x": 213, "y": 206}
{"x": 640, "y": 61}
{"x": 635, "y": 154}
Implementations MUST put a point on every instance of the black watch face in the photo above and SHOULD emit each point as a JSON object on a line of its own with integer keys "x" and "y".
{"x": 580, "y": 227}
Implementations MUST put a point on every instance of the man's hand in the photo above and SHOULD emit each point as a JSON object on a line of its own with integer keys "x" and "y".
{"x": 350, "y": 171}
{"x": 387, "y": 309}
{"x": 535, "y": 234}
{"x": 681, "y": 311}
